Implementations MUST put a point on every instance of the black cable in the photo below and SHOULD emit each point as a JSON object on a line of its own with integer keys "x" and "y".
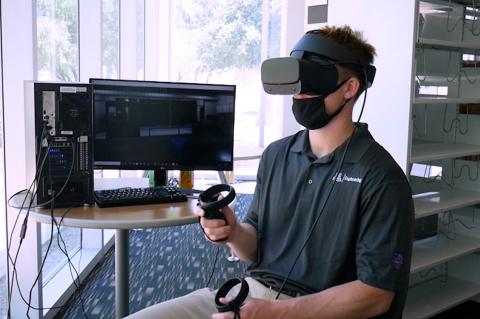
{"x": 332, "y": 184}
{"x": 38, "y": 173}
{"x": 24, "y": 226}
{"x": 29, "y": 306}
{"x": 216, "y": 253}
{"x": 448, "y": 18}
{"x": 64, "y": 249}
{"x": 25, "y": 301}
{"x": 23, "y": 298}
{"x": 66, "y": 182}
{"x": 70, "y": 263}
{"x": 213, "y": 266}
{"x": 14, "y": 261}
{"x": 43, "y": 260}
{"x": 52, "y": 206}
{"x": 15, "y": 276}
{"x": 432, "y": 179}
{"x": 426, "y": 274}
{"x": 37, "y": 176}
{"x": 451, "y": 222}
{"x": 39, "y": 205}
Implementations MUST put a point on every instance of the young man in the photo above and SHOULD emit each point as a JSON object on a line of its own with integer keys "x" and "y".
{"x": 342, "y": 235}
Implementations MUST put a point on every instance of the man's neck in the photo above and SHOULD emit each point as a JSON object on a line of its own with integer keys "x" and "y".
{"x": 325, "y": 140}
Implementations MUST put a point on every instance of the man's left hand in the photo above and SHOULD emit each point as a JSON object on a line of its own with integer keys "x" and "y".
{"x": 252, "y": 309}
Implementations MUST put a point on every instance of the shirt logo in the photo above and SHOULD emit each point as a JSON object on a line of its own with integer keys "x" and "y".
{"x": 342, "y": 177}
{"x": 397, "y": 261}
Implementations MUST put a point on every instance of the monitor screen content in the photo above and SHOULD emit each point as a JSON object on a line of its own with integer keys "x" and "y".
{"x": 163, "y": 125}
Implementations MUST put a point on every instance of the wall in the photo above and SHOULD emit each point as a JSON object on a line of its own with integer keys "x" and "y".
{"x": 389, "y": 26}
{"x": 292, "y": 30}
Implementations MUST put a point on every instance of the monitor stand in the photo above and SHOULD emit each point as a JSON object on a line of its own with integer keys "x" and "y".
{"x": 160, "y": 177}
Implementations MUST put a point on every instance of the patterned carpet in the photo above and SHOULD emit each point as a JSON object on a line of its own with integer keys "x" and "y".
{"x": 164, "y": 263}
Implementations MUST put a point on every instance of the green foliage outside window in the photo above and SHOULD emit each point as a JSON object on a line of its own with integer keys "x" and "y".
{"x": 57, "y": 40}
{"x": 227, "y": 33}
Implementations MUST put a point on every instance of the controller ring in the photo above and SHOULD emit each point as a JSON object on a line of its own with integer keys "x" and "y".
{"x": 237, "y": 302}
{"x": 208, "y": 201}
{"x": 208, "y": 198}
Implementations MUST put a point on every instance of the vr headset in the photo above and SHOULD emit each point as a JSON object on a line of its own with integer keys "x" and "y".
{"x": 311, "y": 68}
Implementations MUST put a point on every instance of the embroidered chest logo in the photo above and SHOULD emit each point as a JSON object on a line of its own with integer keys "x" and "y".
{"x": 342, "y": 177}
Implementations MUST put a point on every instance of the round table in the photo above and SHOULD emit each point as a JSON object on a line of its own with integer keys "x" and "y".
{"x": 122, "y": 219}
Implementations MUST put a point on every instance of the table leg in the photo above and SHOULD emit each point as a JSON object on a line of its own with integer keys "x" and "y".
{"x": 121, "y": 273}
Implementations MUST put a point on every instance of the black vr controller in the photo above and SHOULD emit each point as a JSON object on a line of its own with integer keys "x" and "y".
{"x": 237, "y": 302}
{"x": 211, "y": 205}
{"x": 208, "y": 200}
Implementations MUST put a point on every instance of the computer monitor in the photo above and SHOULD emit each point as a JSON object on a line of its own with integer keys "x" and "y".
{"x": 162, "y": 125}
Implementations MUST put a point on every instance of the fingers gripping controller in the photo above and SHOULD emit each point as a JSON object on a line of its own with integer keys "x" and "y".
{"x": 209, "y": 202}
{"x": 211, "y": 205}
{"x": 235, "y": 304}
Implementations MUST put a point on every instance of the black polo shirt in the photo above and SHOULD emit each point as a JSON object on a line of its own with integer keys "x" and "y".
{"x": 364, "y": 232}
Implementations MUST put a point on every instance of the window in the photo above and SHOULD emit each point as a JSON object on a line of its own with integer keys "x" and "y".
{"x": 57, "y": 60}
{"x": 110, "y": 52}
{"x": 110, "y": 38}
{"x": 224, "y": 42}
{"x": 57, "y": 40}
{"x": 57, "y": 56}
{"x": 140, "y": 30}
{"x": 208, "y": 41}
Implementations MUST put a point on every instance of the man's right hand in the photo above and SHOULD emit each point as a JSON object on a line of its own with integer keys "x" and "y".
{"x": 216, "y": 229}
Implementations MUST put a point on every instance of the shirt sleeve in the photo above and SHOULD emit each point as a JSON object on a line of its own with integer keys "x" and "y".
{"x": 385, "y": 237}
{"x": 252, "y": 213}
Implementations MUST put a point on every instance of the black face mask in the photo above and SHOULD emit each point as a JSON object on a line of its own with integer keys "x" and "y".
{"x": 311, "y": 112}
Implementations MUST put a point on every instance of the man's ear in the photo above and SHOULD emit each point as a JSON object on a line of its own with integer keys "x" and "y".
{"x": 351, "y": 88}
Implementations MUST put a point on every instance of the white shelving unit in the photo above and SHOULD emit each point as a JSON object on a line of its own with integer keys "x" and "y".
{"x": 438, "y": 47}
{"x": 444, "y": 100}
{"x": 427, "y": 204}
{"x": 431, "y": 298}
{"x": 420, "y": 52}
{"x": 464, "y": 47}
{"x": 436, "y": 150}
{"x": 435, "y": 250}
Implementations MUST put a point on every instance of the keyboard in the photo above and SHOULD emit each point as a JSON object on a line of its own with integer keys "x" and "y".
{"x": 138, "y": 196}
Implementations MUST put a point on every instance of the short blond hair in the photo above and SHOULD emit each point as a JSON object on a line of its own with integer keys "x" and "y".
{"x": 350, "y": 39}
{"x": 354, "y": 42}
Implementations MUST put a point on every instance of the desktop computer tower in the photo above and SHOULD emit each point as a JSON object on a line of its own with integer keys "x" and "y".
{"x": 59, "y": 144}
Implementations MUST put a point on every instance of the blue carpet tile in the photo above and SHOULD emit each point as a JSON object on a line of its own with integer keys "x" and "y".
{"x": 164, "y": 263}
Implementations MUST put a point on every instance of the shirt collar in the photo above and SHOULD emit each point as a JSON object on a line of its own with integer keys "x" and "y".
{"x": 361, "y": 140}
